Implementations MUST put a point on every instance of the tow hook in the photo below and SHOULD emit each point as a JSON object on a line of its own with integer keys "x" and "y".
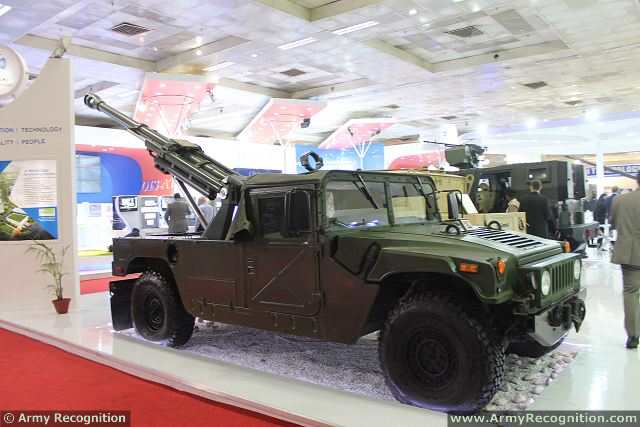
{"x": 571, "y": 312}
{"x": 578, "y": 313}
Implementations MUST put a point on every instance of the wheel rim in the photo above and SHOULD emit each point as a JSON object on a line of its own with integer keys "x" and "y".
{"x": 432, "y": 359}
{"x": 153, "y": 313}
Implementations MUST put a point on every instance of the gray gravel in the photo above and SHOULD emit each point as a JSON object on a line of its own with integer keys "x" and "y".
{"x": 354, "y": 368}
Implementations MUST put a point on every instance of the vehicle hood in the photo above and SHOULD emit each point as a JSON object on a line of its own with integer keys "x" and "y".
{"x": 476, "y": 242}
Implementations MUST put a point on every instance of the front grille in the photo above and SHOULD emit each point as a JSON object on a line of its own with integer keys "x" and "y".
{"x": 561, "y": 277}
{"x": 519, "y": 241}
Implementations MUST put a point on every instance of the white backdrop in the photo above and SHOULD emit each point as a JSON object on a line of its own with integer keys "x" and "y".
{"x": 46, "y": 104}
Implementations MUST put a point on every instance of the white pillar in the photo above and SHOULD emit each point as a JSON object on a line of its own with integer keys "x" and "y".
{"x": 599, "y": 167}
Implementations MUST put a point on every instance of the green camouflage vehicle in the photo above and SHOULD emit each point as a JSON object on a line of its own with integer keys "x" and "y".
{"x": 337, "y": 255}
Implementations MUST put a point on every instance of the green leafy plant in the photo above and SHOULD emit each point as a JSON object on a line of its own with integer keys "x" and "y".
{"x": 50, "y": 264}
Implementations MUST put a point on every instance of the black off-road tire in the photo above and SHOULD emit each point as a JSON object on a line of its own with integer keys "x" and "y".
{"x": 436, "y": 355}
{"x": 157, "y": 311}
{"x": 528, "y": 347}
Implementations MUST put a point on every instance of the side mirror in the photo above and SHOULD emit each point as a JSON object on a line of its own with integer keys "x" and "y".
{"x": 297, "y": 213}
{"x": 453, "y": 205}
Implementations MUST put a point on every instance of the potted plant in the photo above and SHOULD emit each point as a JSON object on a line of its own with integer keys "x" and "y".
{"x": 52, "y": 265}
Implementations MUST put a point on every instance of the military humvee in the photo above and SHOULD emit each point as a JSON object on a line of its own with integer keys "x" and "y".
{"x": 337, "y": 255}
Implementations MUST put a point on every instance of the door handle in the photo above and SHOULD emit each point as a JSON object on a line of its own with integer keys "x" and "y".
{"x": 251, "y": 266}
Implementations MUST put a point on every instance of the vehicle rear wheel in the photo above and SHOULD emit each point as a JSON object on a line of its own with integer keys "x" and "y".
{"x": 528, "y": 347}
{"x": 435, "y": 355}
{"x": 157, "y": 311}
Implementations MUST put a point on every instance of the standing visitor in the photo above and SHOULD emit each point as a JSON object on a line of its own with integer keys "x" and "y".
{"x": 625, "y": 216}
{"x": 207, "y": 211}
{"x": 600, "y": 210}
{"x": 609, "y": 202}
{"x": 536, "y": 206}
{"x": 513, "y": 204}
{"x": 176, "y": 215}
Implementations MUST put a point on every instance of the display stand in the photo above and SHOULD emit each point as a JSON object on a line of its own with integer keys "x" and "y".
{"x": 38, "y": 187}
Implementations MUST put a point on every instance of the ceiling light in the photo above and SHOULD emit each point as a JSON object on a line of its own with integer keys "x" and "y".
{"x": 163, "y": 85}
{"x": 155, "y": 49}
{"x": 356, "y": 27}
{"x": 531, "y": 123}
{"x": 4, "y": 9}
{"x": 297, "y": 43}
{"x": 199, "y": 52}
{"x": 254, "y": 55}
{"x": 219, "y": 66}
{"x": 413, "y": 12}
{"x": 592, "y": 115}
{"x": 199, "y": 39}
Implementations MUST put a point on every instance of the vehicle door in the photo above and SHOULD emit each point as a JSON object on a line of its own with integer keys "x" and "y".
{"x": 282, "y": 268}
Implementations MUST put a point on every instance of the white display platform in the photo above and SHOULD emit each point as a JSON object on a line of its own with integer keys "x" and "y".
{"x": 87, "y": 333}
{"x": 600, "y": 378}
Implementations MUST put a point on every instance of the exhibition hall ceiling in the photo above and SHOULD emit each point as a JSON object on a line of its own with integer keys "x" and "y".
{"x": 479, "y": 64}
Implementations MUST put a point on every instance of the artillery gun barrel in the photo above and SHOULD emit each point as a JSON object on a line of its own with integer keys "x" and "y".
{"x": 182, "y": 159}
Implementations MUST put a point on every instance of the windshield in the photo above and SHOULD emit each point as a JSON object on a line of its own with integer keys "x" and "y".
{"x": 364, "y": 201}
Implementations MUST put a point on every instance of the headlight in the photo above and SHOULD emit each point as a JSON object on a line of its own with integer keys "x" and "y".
{"x": 545, "y": 283}
{"x": 577, "y": 269}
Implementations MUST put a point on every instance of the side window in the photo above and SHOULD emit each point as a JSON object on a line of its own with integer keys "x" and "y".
{"x": 271, "y": 215}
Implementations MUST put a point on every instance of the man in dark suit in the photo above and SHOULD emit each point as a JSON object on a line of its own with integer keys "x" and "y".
{"x": 176, "y": 215}
{"x": 536, "y": 206}
{"x": 625, "y": 214}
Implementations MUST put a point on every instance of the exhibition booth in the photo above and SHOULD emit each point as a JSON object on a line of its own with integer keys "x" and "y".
{"x": 283, "y": 313}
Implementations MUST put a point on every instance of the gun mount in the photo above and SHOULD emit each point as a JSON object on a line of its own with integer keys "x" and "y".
{"x": 187, "y": 162}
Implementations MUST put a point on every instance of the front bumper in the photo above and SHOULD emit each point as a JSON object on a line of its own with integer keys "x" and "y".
{"x": 553, "y": 324}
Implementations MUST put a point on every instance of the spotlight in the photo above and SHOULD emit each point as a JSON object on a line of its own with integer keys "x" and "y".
{"x": 531, "y": 123}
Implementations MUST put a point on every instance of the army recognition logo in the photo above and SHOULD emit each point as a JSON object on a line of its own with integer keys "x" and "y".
{"x": 13, "y": 73}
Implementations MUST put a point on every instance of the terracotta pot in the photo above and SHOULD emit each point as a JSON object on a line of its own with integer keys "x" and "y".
{"x": 61, "y": 305}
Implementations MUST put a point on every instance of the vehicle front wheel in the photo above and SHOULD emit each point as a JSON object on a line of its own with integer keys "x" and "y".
{"x": 528, "y": 347}
{"x": 157, "y": 311}
{"x": 435, "y": 355}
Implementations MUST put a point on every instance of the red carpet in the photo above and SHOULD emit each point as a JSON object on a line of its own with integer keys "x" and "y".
{"x": 93, "y": 286}
{"x": 37, "y": 376}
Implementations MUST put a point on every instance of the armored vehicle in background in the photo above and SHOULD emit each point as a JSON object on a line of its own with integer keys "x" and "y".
{"x": 563, "y": 183}
{"x": 336, "y": 255}
{"x": 449, "y": 182}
